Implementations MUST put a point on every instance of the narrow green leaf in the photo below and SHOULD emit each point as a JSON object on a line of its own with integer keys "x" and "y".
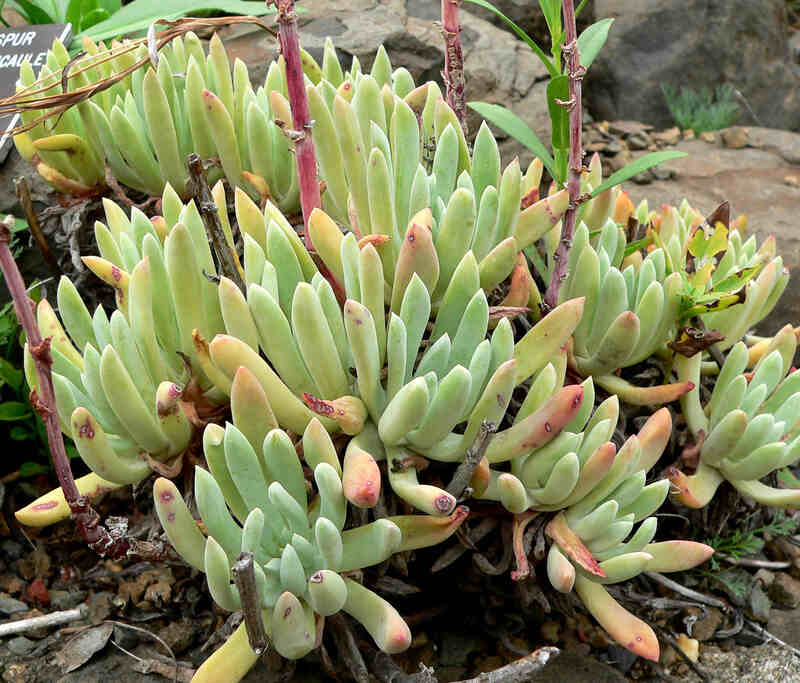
{"x": 591, "y": 41}
{"x": 10, "y": 375}
{"x": 530, "y": 42}
{"x": 558, "y": 89}
{"x": 34, "y": 14}
{"x": 73, "y": 14}
{"x": 94, "y": 17}
{"x": 11, "y": 411}
{"x": 641, "y": 164}
{"x": 735, "y": 282}
{"x": 20, "y": 433}
{"x": 552, "y": 16}
{"x": 32, "y": 469}
{"x": 637, "y": 245}
{"x": 512, "y": 124}
{"x": 138, "y": 17}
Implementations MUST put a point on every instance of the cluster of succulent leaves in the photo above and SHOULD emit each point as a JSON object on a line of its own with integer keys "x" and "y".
{"x": 397, "y": 341}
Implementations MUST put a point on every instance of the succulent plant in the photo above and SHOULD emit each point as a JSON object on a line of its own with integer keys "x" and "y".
{"x": 565, "y": 470}
{"x": 589, "y": 549}
{"x": 128, "y": 392}
{"x": 749, "y": 427}
{"x": 327, "y": 361}
{"x": 145, "y": 125}
{"x": 377, "y": 180}
{"x": 729, "y": 283}
{"x": 599, "y": 495}
{"x": 302, "y": 553}
{"x": 381, "y": 330}
{"x": 640, "y": 296}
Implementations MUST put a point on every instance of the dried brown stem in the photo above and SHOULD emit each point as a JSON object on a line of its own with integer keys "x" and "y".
{"x": 576, "y": 73}
{"x": 519, "y": 671}
{"x": 754, "y": 562}
{"x": 24, "y": 196}
{"x": 713, "y": 350}
{"x": 453, "y": 73}
{"x": 44, "y": 402}
{"x": 348, "y": 648}
{"x": 386, "y": 670}
{"x": 227, "y": 259}
{"x": 686, "y": 592}
{"x": 472, "y": 458}
{"x": 666, "y": 635}
{"x": 760, "y": 630}
{"x": 244, "y": 576}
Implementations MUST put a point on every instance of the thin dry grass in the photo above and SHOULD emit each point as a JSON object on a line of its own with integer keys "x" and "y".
{"x": 33, "y": 97}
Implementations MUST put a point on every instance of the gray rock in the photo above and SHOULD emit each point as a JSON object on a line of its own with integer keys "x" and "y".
{"x": 758, "y": 604}
{"x": 696, "y": 43}
{"x": 21, "y": 645}
{"x": 785, "y": 591}
{"x": 662, "y": 173}
{"x": 639, "y": 140}
{"x": 66, "y": 599}
{"x": 9, "y": 605}
{"x": 785, "y": 625}
{"x": 767, "y": 662}
{"x": 782, "y": 142}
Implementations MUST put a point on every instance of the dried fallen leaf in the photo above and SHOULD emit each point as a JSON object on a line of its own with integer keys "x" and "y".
{"x": 80, "y": 649}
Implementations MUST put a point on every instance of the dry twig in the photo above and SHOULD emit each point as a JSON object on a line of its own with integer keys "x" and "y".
{"x": 227, "y": 259}
{"x": 348, "y": 648}
{"x": 245, "y": 578}
{"x": 24, "y": 196}
{"x": 52, "y": 619}
{"x": 461, "y": 479}
{"x": 519, "y": 671}
{"x": 34, "y": 98}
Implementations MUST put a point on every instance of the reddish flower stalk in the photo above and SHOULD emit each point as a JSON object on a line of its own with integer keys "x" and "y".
{"x": 575, "y": 72}
{"x": 310, "y": 196}
{"x": 301, "y": 118}
{"x": 453, "y": 73}
{"x": 44, "y": 402}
